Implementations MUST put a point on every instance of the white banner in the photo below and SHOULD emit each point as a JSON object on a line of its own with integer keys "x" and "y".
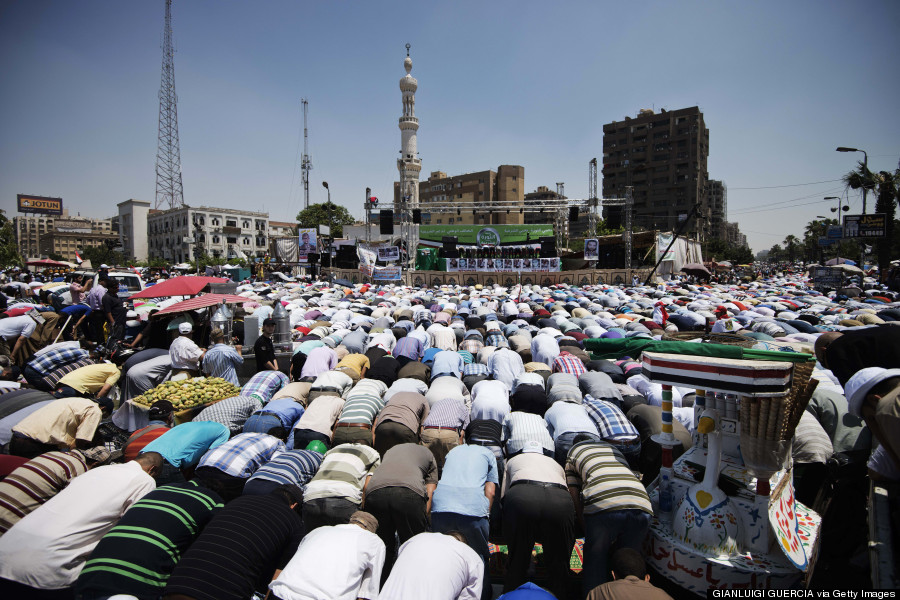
{"x": 388, "y": 253}
{"x": 662, "y": 243}
{"x": 501, "y": 265}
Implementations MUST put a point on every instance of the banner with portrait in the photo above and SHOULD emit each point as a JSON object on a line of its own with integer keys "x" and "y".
{"x": 307, "y": 243}
{"x": 591, "y": 249}
{"x": 503, "y": 265}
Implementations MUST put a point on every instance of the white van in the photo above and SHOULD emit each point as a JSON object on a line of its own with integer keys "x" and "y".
{"x": 129, "y": 283}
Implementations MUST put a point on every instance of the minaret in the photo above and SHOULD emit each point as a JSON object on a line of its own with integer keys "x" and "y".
{"x": 409, "y": 164}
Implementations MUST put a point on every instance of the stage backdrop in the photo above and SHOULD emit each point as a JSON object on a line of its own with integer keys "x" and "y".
{"x": 484, "y": 235}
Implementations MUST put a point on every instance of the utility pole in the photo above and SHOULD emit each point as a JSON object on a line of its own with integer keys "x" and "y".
{"x": 169, "y": 190}
{"x": 306, "y": 160}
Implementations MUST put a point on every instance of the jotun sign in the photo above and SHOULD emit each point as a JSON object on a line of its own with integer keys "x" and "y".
{"x": 40, "y": 205}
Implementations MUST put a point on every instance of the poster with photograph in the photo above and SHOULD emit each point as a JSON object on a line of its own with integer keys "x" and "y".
{"x": 591, "y": 249}
{"x": 388, "y": 253}
{"x": 463, "y": 264}
{"x": 307, "y": 241}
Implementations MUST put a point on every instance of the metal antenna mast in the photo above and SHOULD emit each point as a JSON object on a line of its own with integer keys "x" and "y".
{"x": 306, "y": 161}
{"x": 168, "y": 155}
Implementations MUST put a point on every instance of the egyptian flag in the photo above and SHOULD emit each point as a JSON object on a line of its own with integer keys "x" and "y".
{"x": 660, "y": 314}
{"x": 78, "y": 258}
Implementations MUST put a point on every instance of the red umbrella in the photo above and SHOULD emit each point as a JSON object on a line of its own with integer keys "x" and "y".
{"x": 185, "y": 285}
{"x": 202, "y": 302}
{"x": 46, "y": 262}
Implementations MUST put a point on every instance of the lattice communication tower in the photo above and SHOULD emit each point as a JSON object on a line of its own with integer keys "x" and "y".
{"x": 168, "y": 155}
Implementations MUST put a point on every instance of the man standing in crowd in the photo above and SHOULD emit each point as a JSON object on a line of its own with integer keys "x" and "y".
{"x": 222, "y": 360}
{"x": 264, "y": 349}
{"x": 185, "y": 353}
{"x": 114, "y": 311}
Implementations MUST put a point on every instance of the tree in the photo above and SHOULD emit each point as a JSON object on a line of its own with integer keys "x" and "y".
{"x": 9, "y": 250}
{"x": 861, "y": 178}
{"x": 55, "y": 256}
{"x": 326, "y": 213}
{"x": 776, "y": 254}
{"x": 790, "y": 244}
{"x": 102, "y": 254}
{"x": 888, "y": 190}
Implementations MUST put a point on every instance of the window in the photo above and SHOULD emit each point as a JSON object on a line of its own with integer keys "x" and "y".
{"x": 452, "y": 220}
{"x": 246, "y": 224}
{"x": 246, "y": 241}
{"x": 215, "y": 239}
{"x": 230, "y": 222}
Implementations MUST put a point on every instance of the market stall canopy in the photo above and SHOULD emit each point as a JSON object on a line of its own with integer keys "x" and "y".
{"x": 186, "y": 285}
{"x": 840, "y": 261}
{"x": 201, "y": 302}
{"x": 46, "y": 262}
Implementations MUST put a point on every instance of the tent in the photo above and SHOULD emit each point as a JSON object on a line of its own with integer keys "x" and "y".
{"x": 202, "y": 302}
{"x": 186, "y": 285}
{"x": 47, "y": 263}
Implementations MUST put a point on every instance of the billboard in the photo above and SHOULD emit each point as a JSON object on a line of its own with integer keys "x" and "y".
{"x": 485, "y": 235}
{"x": 307, "y": 243}
{"x": 72, "y": 226}
{"x": 388, "y": 253}
{"x": 39, "y": 204}
{"x": 865, "y": 226}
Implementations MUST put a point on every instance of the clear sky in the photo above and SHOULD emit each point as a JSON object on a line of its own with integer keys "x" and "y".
{"x": 780, "y": 83}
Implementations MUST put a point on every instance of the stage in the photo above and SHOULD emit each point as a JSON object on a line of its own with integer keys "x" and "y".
{"x": 504, "y": 278}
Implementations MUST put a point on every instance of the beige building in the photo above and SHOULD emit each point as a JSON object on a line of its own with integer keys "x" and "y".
{"x": 178, "y": 234}
{"x": 44, "y": 235}
{"x": 485, "y": 197}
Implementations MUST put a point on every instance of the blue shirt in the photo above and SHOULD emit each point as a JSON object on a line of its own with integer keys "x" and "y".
{"x": 447, "y": 362}
{"x": 461, "y": 488}
{"x": 75, "y": 311}
{"x": 528, "y": 591}
{"x": 221, "y": 361}
{"x": 182, "y": 446}
{"x": 286, "y": 409}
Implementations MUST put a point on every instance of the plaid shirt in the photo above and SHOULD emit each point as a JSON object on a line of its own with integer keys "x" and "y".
{"x": 231, "y": 412}
{"x": 243, "y": 454}
{"x": 472, "y": 345}
{"x": 475, "y": 369}
{"x": 611, "y": 421}
{"x": 496, "y": 339}
{"x": 264, "y": 385}
{"x": 567, "y": 363}
{"x": 53, "y": 377}
{"x": 53, "y": 359}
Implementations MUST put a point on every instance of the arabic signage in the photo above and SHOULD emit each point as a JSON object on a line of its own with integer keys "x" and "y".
{"x": 826, "y": 277}
{"x": 486, "y": 235}
{"x": 499, "y": 265}
{"x": 865, "y": 226}
{"x": 386, "y": 273}
{"x": 39, "y": 204}
{"x": 834, "y": 232}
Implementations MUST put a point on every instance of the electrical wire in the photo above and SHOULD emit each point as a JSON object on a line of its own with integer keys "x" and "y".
{"x": 762, "y": 207}
{"x": 772, "y": 187}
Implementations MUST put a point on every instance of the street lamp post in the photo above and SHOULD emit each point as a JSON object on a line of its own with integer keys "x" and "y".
{"x": 865, "y": 169}
{"x": 330, "y": 234}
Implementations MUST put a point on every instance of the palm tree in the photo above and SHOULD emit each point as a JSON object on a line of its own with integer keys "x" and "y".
{"x": 790, "y": 244}
{"x": 888, "y": 190}
{"x": 861, "y": 178}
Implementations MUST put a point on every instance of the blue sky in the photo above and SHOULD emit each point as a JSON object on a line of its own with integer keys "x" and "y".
{"x": 781, "y": 84}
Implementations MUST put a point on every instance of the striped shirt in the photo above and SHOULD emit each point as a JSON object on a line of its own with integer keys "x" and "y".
{"x": 612, "y": 424}
{"x": 238, "y": 552}
{"x": 606, "y": 482}
{"x": 221, "y": 361}
{"x": 53, "y": 377}
{"x": 264, "y": 385}
{"x": 409, "y": 347}
{"x": 449, "y": 412}
{"x": 48, "y": 361}
{"x": 343, "y": 473}
{"x": 243, "y": 454}
{"x": 231, "y": 412}
{"x": 526, "y": 432}
{"x": 138, "y": 555}
{"x": 295, "y": 467}
{"x": 364, "y": 402}
{"x": 35, "y": 482}
{"x": 140, "y": 438}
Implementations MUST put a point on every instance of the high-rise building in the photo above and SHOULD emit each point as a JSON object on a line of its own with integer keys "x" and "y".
{"x": 663, "y": 158}
{"x": 133, "y": 228}
{"x": 485, "y": 197}
{"x": 718, "y": 208}
{"x": 39, "y": 235}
